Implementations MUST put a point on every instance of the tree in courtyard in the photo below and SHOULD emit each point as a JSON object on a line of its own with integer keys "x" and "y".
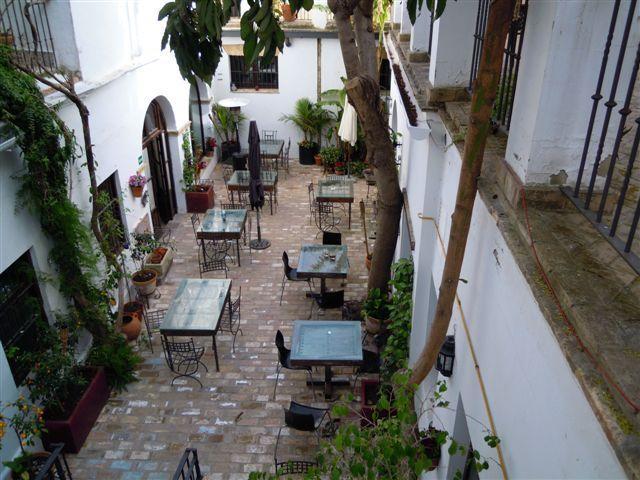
{"x": 485, "y": 90}
{"x": 194, "y": 32}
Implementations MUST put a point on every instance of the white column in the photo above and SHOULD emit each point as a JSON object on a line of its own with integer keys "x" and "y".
{"x": 396, "y": 14}
{"x": 420, "y": 31}
{"x": 405, "y": 23}
{"x": 452, "y": 45}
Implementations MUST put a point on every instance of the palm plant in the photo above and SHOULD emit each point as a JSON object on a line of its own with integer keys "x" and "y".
{"x": 226, "y": 122}
{"x": 310, "y": 118}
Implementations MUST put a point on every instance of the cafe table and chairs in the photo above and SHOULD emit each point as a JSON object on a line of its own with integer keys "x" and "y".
{"x": 327, "y": 344}
{"x": 239, "y": 183}
{"x": 197, "y": 310}
{"x": 223, "y": 224}
{"x": 337, "y": 190}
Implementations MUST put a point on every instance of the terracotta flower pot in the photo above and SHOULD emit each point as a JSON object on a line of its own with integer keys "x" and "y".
{"x": 134, "y": 309}
{"x": 287, "y": 14}
{"x": 375, "y": 325}
{"x": 131, "y": 326}
{"x": 137, "y": 191}
{"x": 318, "y": 160}
{"x": 145, "y": 281}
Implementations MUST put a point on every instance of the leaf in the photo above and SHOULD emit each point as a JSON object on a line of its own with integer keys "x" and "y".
{"x": 440, "y": 9}
{"x": 307, "y": 4}
{"x": 249, "y": 49}
{"x": 166, "y": 10}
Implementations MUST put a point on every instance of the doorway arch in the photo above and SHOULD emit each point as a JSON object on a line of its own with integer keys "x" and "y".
{"x": 198, "y": 111}
{"x": 157, "y": 155}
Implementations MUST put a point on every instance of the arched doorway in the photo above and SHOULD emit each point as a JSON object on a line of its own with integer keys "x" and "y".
{"x": 155, "y": 147}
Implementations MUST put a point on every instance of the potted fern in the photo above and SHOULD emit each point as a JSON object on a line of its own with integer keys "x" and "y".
{"x": 311, "y": 119}
{"x": 226, "y": 124}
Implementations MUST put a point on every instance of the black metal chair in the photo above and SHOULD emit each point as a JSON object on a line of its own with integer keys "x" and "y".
{"x": 212, "y": 256}
{"x": 284, "y": 361}
{"x": 54, "y": 466}
{"x": 370, "y": 365}
{"x": 290, "y": 274}
{"x": 232, "y": 206}
{"x": 269, "y": 135}
{"x": 328, "y": 300}
{"x": 306, "y": 419}
{"x": 285, "y": 157}
{"x": 195, "y": 223}
{"x": 331, "y": 238}
{"x": 231, "y": 322}
{"x": 183, "y": 358}
{"x": 152, "y": 321}
{"x": 189, "y": 466}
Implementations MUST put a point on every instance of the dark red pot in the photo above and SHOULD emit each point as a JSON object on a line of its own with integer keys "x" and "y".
{"x": 200, "y": 201}
{"x": 73, "y": 431}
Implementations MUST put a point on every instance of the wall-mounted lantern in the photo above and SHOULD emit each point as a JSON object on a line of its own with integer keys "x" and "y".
{"x": 447, "y": 354}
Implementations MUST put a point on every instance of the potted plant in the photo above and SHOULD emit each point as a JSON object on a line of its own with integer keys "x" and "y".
{"x": 199, "y": 197}
{"x": 211, "y": 145}
{"x": 144, "y": 279}
{"x": 311, "y": 119}
{"x": 160, "y": 260}
{"x": 376, "y": 311}
{"x": 137, "y": 183}
{"x": 339, "y": 168}
{"x": 226, "y": 124}
{"x": 287, "y": 14}
{"x": 330, "y": 155}
{"x": 432, "y": 440}
{"x": 132, "y": 319}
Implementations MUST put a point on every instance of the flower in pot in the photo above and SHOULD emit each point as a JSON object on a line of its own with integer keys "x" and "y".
{"x": 137, "y": 183}
{"x": 311, "y": 119}
{"x": 211, "y": 145}
{"x": 376, "y": 311}
{"x": 226, "y": 124}
{"x": 330, "y": 155}
{"x": 339, "y": 168}
{"x": 199, "y": 198}
{"x": 144, "y": 279}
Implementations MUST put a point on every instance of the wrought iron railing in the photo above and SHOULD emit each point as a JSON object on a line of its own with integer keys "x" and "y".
{"x": 24, "y": 26}
{"x": 609, "y": 197}
{"x": 189, "y": 466}
{"x": 55, "y": 467}
{"x": 503, "y": 106}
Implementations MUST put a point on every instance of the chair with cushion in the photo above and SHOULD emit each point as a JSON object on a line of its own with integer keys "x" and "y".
{"x": 231, "y": 323}
{"x": 306, "y": 419}
{"x": 331, "y": 238}
{"x": 284, "y": 355}
{"x": 290, "y": 274}
{"x": 183, "y": 358}
{"x": 327, "y": 301}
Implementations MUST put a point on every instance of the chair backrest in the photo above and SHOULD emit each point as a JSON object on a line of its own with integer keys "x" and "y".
{"x": 283, "y": 352}
{"x": 331, "y": 299}
{"x": 154, "y": 318}
{"x": 285, "y": 264}
{"x": 287, "y": 148}
{"x": 269, "y": 135}
{"x": 189, "y": 466}
{"x": 231, "y": 206}
{"x": 213, "y": 256}
{"x": 195, "y": 221}
{"x": 227, "y": 172}
{"x": 331, "y": 238}
{"x": 299, "y": 421}
{"x": 235, "y": 304}
{"x": 170, "y": 348}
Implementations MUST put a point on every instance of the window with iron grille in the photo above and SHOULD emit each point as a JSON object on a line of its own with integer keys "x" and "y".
{"x": 257, "y": 76}
{"x": 110, "y": 216}
{"x": 21, "y": 309}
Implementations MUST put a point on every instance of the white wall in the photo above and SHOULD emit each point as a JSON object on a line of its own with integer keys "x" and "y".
{"x": 539, "y": 408}
{"x": 297, "y": 78}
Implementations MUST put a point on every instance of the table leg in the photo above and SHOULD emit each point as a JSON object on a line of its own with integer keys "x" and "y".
{"x": 323, "y": 286}
{"x": 232, "y": 197}
{"x": 349, "y": 215}
{"x": 238, "y": 249}
{"x": 215, "y": 352}
{"x": 328, "y": 386}
{"x": 271, "y": 201}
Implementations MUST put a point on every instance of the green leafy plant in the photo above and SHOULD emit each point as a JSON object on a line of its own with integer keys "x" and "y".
{"x": 143, "y": 245}
{"x": 188, "y": 165}
{"x": 26, "y": 421}
{"x": 226, "y": 122}
{"x": 376, "y": 305}
{"x": 120, "y": 363}
{"x": 330, "y": 155}
{"x": 310, "y": 118}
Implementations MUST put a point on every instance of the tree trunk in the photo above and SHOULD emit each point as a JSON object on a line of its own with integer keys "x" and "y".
{"x": 484, "y": 93}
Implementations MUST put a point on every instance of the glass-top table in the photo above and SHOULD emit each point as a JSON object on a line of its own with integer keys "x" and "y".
{"x": 336, "y": 190}
{"x": 326, "y": 343}
{"x": 323, "y": 261}
{"x": 268, "y": 148}
{"x": 239, "y": 181}
{"x": 197, "y": 308}
{"x": 223, "y": 224}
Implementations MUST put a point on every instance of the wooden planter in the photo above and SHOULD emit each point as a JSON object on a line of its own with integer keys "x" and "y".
{"x": 73, "y": 431}
{"x": 162, "y": 267}
{"x": 200, "y": 200}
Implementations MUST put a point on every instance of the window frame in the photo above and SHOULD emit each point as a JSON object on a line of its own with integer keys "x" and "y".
{"x": 257, "y": 77}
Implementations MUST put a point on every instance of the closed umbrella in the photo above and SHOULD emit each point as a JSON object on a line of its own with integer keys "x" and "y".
{"x": 348, "y": 131}
{"x": 256, "y": 189}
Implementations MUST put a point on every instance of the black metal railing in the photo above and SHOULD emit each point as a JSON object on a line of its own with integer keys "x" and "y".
{"x": 503, "y": 106}
{"x": 24, "y": 26}
{"x": 189, "y": 466}
{"x": 608, "y": 200}
{"x": 55, "y": 467}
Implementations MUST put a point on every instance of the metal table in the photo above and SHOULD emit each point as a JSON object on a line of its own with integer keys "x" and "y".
{"x": 197, "y": 309}
{"x": 317, "y": 261}
{"x": 219, "y": 224}
{"x": 336, "y": 191}
{"x": 268, "y": 148}
{"x": 239, "y": 181}
{"x": 326, "y": 343}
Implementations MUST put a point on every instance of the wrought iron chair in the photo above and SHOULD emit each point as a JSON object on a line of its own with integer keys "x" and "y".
{"x": 232, "y": 206}
{"x": 306, "y": 419}
{"x": 195, "y": 223}
{"x": 327, "y": 301}
{"x": 231, "y": 322}
{"x": 284, "y": 160}
{"x": 370, "y": 365}
{"x": 152, "y": 321}
{"x": 269, "y": 135}
{"x": 183, "y": 358}
{"x": 284, "y": 355}
{"x": 212, "y": 256}
{"x": 189, "y": 466}
{"x": 54, "y": 466}
{"x": 331, "y": 238}
{"x": 290, "y": 274}
{"x": 227, "y": 172}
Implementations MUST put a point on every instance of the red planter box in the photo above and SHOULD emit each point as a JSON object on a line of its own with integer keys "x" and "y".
{"x": 201, "y": 201}
{"x": 74, "y": 430}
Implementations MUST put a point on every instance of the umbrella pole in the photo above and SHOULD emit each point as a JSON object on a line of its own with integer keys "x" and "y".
{"x": 259, "y": 243}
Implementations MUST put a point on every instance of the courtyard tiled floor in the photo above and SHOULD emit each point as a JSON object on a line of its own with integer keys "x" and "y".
{"x": 232, "y": 421}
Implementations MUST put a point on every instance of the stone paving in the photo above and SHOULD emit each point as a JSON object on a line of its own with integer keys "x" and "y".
{"x": 232, "y": 421}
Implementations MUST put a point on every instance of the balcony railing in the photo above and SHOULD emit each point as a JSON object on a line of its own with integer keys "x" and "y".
{"x": 510, "y": 64}
{"x": 24, "y": 26}
{"x": 55, "y": 467}
{"x": 606, "y": 189}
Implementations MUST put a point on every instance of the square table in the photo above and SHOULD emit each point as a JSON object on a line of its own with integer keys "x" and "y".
{"x": 268, "y": 148}
{"x": 223, "y": 224}
{"x": 197, "y": 309}
{"x": 326, "y": 343}
{"x": 336, "y": 191}
{"x": 316, "y": 262}
{"x": 239, "y": 181}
